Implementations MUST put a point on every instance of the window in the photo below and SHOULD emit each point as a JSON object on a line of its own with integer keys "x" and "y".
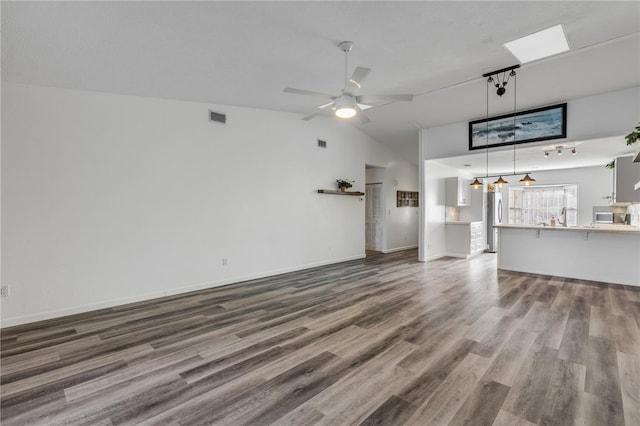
{"x": 532, "y": 205}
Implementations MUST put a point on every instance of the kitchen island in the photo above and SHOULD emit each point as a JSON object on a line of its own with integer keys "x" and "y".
{"x": 602, "y": 253}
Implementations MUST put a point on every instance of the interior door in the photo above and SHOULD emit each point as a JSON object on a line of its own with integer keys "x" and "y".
{"x": 373, "y": 216}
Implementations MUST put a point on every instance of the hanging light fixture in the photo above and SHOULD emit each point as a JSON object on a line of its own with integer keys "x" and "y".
{"x": 500, "y": 81}
{"x": 527, "y": 180}
{"x": 476, "y": 184}
{"x": 500, "y": 182}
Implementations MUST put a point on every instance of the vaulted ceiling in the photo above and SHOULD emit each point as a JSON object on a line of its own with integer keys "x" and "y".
{"x": 245, "y": 53}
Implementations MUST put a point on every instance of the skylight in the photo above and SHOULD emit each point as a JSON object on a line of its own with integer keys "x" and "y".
{"x": 539, "y": 45}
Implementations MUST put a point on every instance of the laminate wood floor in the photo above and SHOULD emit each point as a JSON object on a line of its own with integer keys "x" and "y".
{"x": 384, "y": 340}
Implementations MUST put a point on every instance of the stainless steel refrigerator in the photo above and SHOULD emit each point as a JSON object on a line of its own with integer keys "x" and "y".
{"x": 494, "y": 217}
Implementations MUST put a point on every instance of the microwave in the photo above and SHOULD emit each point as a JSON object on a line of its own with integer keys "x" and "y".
{"x": 603, "y": 217}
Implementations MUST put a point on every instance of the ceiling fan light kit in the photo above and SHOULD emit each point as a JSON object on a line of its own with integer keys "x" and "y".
{"x": 345, "y": 106}
{"x": 349, "y": 104}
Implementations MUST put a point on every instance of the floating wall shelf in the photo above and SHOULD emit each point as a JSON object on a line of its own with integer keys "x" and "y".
{"x": 329, "y": 191}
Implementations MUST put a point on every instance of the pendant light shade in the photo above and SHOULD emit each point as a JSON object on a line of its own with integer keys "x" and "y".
{"x": 527, "y": 180}
{"x": 500, "y": 182}
{"x": 476, "y": 184}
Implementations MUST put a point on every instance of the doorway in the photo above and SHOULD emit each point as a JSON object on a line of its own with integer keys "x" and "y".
{"x": 374, "y": 211}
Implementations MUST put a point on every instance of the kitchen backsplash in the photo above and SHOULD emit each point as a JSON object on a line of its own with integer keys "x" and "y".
{"x": 634, "y": 211}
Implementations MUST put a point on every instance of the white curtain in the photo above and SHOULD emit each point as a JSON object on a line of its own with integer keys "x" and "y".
{"x": 534, "y": 205}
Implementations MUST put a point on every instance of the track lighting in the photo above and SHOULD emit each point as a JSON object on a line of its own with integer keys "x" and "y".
{"x": 559, "y": 150}
{"x": 573, "y": 151}
{"x": 546, "y": 154}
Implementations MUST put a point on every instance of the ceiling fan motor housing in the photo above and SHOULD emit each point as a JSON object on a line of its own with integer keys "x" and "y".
{"x": 345, "y": 106}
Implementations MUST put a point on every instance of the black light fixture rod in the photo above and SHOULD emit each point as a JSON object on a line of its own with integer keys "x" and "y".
{"x": 506, "y": 174}
{"x": 513, "y": 67}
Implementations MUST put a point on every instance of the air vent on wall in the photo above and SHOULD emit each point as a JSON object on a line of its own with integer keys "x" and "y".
{"x": 217, "y": 117}
{"x": 322, "y": 144}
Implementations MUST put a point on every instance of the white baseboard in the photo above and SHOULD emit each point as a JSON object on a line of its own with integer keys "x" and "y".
{"x": 40, "y": 316}
{"x": 435, "y": 257}
{"x": 393, "y": 250}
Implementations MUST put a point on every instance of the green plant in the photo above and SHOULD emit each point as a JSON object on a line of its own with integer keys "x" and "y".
{"x": 634, "y": 136}
{"x": 344, "y": 182}
{"x": 631, "y": 138}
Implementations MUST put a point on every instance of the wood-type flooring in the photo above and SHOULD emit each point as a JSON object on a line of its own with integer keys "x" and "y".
{"x": 384, "y": 340}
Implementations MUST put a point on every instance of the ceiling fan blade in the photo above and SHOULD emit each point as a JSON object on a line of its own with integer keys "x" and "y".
{"x": 316, "y": 113}
{"x": 361, "y": 115}
{"x": 326, "y": 105}
{"x": 358, "y": 76}
{"x": 373, "y": 99}
{"x": 308, "y": 93}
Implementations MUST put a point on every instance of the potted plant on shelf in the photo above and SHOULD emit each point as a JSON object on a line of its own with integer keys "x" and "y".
{"x": 631, "y": 138}
{"x": 343, "y": 184}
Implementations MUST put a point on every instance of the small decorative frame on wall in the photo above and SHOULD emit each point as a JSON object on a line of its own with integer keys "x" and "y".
{"x": 407, "y": 199}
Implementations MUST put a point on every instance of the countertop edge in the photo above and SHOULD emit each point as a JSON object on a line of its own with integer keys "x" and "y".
{"x": 635, "y": 231}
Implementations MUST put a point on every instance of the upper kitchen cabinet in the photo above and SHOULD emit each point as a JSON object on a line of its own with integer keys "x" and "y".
{"x": 627, "y": 174}
{"x": 458, "y": 192}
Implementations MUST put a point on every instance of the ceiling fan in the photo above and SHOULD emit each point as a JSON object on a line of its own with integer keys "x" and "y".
{"x": 349, "y": 103}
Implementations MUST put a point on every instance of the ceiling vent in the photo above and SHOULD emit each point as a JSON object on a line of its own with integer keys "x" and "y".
{"x": 217, "y": 117}
{"x": 322, "y": 144}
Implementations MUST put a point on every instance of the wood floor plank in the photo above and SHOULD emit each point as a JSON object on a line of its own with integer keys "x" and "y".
{"x": 563, "y": 403}
{"x": 629, "y": 369}
{"x": 379, "y": 340}
{"x": 602, "y": 370}
{"x": 527, "y": 395}
{"x": 482, "y": 405}
{"x": 574, "y": 346}
{"x": 506, "y": 365}
{"x": 505, "y": 418}
{"x": 451, "y": 394}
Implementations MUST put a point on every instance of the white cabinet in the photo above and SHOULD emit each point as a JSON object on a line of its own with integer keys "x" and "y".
{"x": 464, "y": 239}
{"x": 627, "y": 174}
{"x": 457, "y": 191}
{"x": 477, "y": 242}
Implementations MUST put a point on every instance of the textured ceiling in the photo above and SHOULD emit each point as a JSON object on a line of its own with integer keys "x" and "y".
{"x": 245, "y": 53}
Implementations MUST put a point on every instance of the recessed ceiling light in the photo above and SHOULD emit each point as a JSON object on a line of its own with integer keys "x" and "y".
{"x": 539, "y": 45}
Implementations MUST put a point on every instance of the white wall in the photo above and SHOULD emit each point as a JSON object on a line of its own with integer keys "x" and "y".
{"x": 108, "y": 199}
{"x": 592, "y": 117}
{"x": 594, "y": 184}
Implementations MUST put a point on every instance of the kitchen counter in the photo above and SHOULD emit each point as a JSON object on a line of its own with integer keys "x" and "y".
{"x": 611, "y": 229}
{"x": 461, "y": 222}
{"x": 607, "y": 253}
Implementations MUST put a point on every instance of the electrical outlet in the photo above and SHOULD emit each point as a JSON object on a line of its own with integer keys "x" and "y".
{"x": 225, "y": 262}
{"x": 4, "y": 291}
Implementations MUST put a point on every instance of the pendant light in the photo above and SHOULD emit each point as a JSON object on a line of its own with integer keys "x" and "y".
{"x": 527, "y": 180}
{"x": 476, "y": 184}
{"x": 500, "y": 182}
